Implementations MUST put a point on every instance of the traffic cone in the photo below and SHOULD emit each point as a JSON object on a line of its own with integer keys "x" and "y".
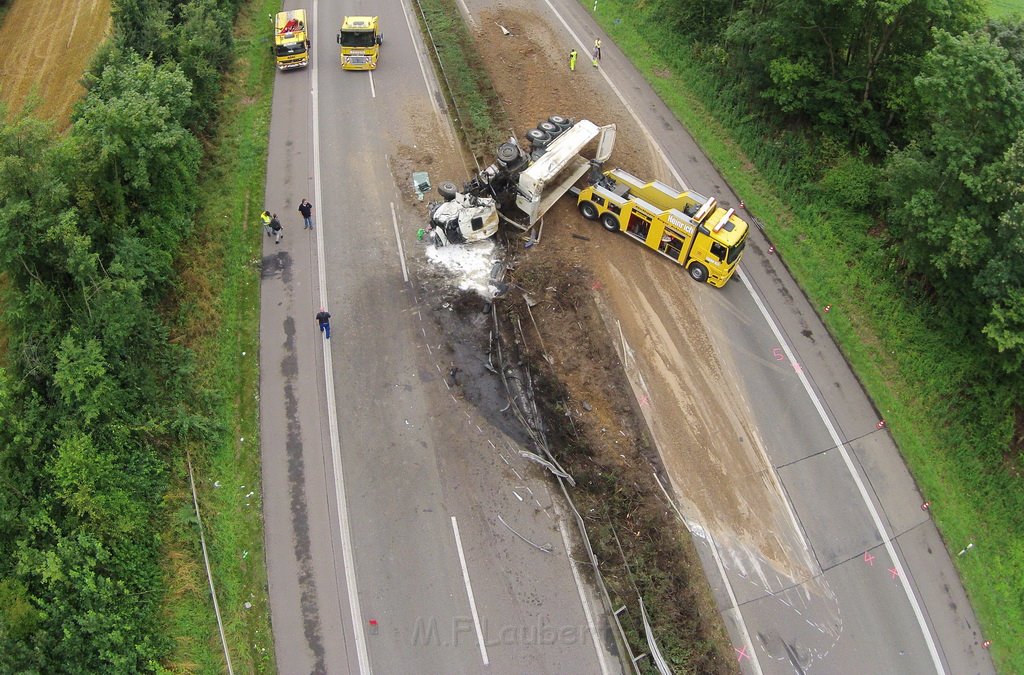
{"x": 827, "y": 309}
{"x": 771, "y": 248}
{"x": 926, "y": 506}
{"x": 880, "y": 425}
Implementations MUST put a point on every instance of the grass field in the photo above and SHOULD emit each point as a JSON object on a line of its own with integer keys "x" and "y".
{"x": 45, "y": 73}
{"x": 1004, "y": 7}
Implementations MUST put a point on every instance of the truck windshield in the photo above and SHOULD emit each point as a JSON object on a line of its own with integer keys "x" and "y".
{"x": 734, "y": 252}
{"x": 291, "y": 49}
{"x": 362, "y": 38}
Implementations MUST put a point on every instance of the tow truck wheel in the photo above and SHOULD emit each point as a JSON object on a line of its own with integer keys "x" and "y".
{"x": 610, "y": 222}
{"x": 588, "y": 210}
{"x": 698, "y": 272}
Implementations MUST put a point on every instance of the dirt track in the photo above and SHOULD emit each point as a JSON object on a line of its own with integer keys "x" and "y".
{"x": 50, "y": 64}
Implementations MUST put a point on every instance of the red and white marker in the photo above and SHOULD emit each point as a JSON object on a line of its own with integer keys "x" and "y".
{"x": 880, "y": 425}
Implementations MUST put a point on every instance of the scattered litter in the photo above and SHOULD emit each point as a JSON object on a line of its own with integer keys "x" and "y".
{"x": 248, "y": 605}
{"x": 526, "y": 454}
{"x": 504, "y": 31}
{"x": 216, "y": 483}
{"x": 546, "y": 548}
{"x": 245, "y": 554}
{"x": 587, "y": 406}
{"x": 580, "y": 236}
{"x": 420, "y": 183}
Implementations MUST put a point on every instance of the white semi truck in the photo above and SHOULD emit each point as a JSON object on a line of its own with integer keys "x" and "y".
{"x": 520, "y": 186}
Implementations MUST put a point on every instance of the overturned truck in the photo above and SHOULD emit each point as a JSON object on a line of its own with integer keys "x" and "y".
{"x": 520, "y": 186}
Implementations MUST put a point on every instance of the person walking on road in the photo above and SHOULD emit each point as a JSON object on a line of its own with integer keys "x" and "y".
{"x": 265, "y": 217}
{"x": 572, "y": 60}
{"x": 306, "y": 209}
{"x": 597, "y": 51}
{"x": 275, "y": 226}
{"x": 323, "y": 317}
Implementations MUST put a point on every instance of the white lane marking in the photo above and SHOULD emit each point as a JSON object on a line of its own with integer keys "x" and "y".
{"x": 865, "y": 497}
{"x": 622, "y": 99}
{"x": 738, "y": 615}
{"x": 373, "y": 91}
{"x": 469, "y": 592}
{"x": 583, "y": 600}
{"x": 344, "y": 528}
{"x": 398, "y": 240}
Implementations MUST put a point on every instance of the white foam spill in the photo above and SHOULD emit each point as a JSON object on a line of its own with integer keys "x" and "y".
{"x": 468, "y": 265}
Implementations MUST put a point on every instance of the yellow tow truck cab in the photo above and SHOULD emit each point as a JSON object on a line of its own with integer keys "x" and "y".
{"x": 360, "y": 39}
{"x": 685, "y": 227}
{"x": 291, "y": 40}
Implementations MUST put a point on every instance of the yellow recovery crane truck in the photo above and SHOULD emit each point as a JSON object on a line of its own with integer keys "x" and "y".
{"x": 360, "y": 39}
{"x": 291, "y": 40}
{"x": 685, "y": 227}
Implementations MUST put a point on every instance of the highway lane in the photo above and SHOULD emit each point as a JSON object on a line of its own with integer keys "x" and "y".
{"x": 389, "y": 533}
{"x": 874, "y": 590}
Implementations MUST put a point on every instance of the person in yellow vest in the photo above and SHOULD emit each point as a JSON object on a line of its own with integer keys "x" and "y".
{"x": 572, "y": 60}
{"x": 265, "y": 217}
{"x": 597, "y": 51}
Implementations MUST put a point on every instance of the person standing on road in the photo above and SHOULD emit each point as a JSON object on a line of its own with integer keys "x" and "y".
{"x": 323, "y": 317}
{"x": 275, "y": 226}
{"x": 597, "y": 51}
{"x": 306, "y": 209}
{"x": 572, "y": 60}
{"x": 265, "y": 217}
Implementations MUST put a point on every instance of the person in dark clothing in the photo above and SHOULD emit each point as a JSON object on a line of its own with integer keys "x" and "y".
{"x": 323, "y": 317}
{"x": 306, "y": 209}
{"x": 275, "y": 225}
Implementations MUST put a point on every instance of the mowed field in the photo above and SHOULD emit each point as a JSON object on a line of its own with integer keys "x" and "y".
{"x": 48, "y": 46}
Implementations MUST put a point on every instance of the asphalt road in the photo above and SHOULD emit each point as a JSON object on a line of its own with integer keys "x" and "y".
{"x": 882, "y": 595}
{"x": 398, "y": 517}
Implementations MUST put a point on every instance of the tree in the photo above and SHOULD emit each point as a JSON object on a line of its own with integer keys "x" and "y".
{"x": 955, "y": 192}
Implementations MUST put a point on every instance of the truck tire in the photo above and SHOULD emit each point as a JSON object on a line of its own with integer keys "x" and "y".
{"x": 560, "y": 121}
{"x": 698, "y": 272}
{"x": 538, "y": 137}
{"x": 610, "y": 222}
{"x": 508, "y": 153}
{"x": 550, "y": 129}
{"x": 588, "y": 210}
{"x": 447, "y": 190}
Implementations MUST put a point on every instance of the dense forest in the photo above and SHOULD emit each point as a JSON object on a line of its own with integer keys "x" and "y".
{"x": 910, "y": 111}
{"x": 95, "y": 398}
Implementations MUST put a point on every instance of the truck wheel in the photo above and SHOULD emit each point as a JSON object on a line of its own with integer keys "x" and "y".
{"x": 588, "y": 210}
{"x": 698, "y": 272}
{"x": 550, "y": 128}
{"x": 538, "y": 137}
{"x": 447, "y": 190}
{"x": 507, "y": 153}
{"x": 560, "y": 121}
{"x": 610, "y": 222}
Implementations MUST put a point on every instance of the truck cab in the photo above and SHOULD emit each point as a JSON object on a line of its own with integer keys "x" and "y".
{"x": 360, "y": 39}
{"x": 291, "y": 39}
